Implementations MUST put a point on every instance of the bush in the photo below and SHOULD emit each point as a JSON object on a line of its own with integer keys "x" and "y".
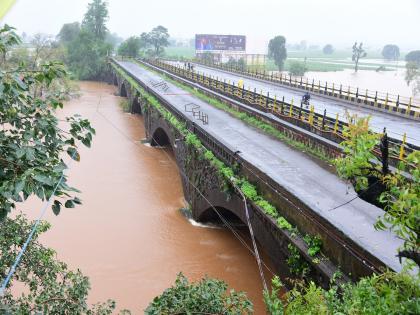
{"x": 413, "y": 56}
{"x": 297, "y": 68}
{"x": 208, "y": 296}
{"x": 389, "y": 293}
{"x": 328, "y": 49}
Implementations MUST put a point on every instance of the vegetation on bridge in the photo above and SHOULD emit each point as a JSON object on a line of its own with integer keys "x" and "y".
{"x": 397, "y": 192}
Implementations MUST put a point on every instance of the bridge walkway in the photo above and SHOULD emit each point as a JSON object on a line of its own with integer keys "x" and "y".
{"x": 396, "y": 126}
{"x": 312, "y": 183}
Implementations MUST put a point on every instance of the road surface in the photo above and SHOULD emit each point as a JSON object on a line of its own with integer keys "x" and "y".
{"x": 396, "y": 126}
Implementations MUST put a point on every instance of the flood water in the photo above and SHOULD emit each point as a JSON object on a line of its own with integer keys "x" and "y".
{"x": 129, "y": 236}
{"x": 392, "y": 82}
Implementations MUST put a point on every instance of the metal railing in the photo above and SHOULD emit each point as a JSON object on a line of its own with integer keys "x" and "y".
{"x": 321, "y": 124}
{"x": 392, "y": 103}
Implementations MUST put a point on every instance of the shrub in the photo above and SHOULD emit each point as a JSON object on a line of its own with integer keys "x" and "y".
{"x": 297, "y": 68}
{"x": 208, "y": 296}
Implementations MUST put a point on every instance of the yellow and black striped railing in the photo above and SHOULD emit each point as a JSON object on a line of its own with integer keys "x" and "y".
{"x": 396, "y": 104}
{"x": 321, "y": 124}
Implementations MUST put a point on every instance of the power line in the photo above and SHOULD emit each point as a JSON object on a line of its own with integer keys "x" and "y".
{"x": 255, "y": 253}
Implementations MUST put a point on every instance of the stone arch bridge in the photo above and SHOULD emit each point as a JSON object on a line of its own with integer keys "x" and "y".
{"x": 205, "y": 190}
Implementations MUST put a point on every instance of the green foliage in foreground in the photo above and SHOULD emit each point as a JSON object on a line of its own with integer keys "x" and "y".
{"x": 358, "y": 147}
{"x": 207, "y": 296}
{"x": 51, "y": 287}
{"x": 31, "y": 140}
{"x": 389, "y": 293}
{"x": 401, "y": 198}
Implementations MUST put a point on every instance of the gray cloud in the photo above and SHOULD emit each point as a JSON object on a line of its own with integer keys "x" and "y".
{"x": 341, "y": 22}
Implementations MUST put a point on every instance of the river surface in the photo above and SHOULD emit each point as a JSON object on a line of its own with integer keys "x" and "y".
{"x": 129, "y": 236}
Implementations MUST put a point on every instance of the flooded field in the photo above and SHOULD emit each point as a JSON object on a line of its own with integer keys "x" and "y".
{"x": 392, "y": 82}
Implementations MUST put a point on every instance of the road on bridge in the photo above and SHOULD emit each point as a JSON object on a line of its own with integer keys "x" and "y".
{"x": 319, "y": 188}
{"x": 396, "y": 126}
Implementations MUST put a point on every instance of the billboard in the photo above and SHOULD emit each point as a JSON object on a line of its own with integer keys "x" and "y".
{"x": 208, "y": 42}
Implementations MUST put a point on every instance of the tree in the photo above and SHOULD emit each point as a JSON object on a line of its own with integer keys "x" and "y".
{"x": 114, "y": 39}
{"x": 208, "y": 296}
{"x": 95, "y": 18}
{"x": 358, "y": 52}
{"x": 303, "y": 45}
{"x": 297, "y": 68}
{"x": 87, "y": 56}
{"x": 158, "y": 39}
{"x": 31, "y": 141}
{"x": 130, "y": 47}
{"x": 277, "y": 51}
{"x": 328, "y": 49}
{"x": 51, "y": 287}
{"x": 69, "y": 32}
{"x": 87, "y": 53}
{"x": 412, "y": 74}
{"x": 391, "y": 52}
{"x": 413, "y": 56}
{"x": 45, "y": 48}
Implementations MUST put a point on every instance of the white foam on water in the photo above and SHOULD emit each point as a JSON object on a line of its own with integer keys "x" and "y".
{"x": 198, "y": 224}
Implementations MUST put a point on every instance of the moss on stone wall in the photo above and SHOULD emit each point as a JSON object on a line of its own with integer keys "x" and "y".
{"x": 225, "y": 172}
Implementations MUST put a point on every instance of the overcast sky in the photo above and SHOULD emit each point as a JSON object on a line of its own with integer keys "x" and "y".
{"x": 340, "y": 22}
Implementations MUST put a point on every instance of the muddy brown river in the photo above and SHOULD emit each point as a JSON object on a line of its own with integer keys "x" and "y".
{"x": 129, "y": 236}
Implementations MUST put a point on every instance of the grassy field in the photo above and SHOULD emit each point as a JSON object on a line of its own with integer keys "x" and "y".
{"x": 179, "y": 52}
{"x": 316, "y": 60}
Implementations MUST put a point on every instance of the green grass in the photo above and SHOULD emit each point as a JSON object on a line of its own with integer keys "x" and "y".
{"x": 125, "y": 105}
{"x": 174, "y": 52}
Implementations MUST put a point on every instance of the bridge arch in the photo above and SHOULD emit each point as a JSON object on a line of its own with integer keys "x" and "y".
{"x": 136, "y": 105}
{"x": 160, "y": 138}
{"x": 210, "y": 215}
{"x": 123, "y": 90}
